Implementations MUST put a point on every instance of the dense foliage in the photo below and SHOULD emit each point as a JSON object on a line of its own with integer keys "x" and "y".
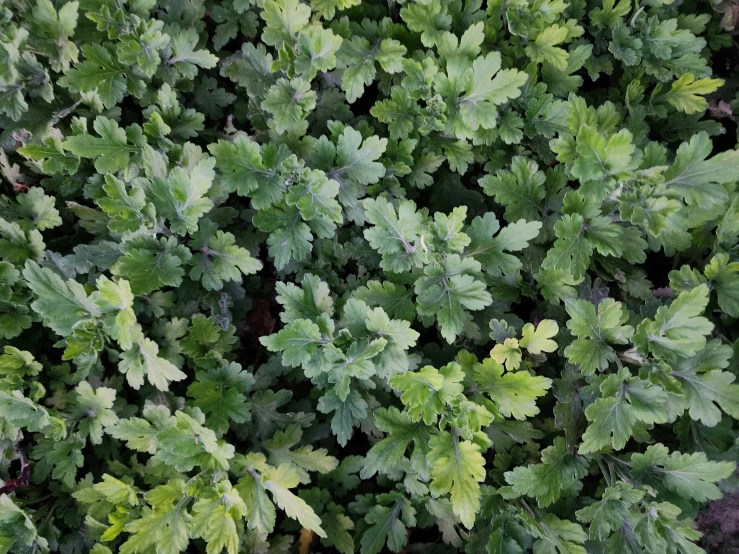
{"x": 366, "y": 276}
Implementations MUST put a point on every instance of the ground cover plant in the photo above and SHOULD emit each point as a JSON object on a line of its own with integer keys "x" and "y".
{"x": 368, "y": 276}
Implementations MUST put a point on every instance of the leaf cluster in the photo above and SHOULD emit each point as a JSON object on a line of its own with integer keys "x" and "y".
{"x": 358, "y": 276}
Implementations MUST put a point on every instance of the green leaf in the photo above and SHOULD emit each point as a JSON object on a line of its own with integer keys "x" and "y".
{"x": 143, "y": 359}
{"x": 611, "y": 13}
{"x": 289, "y": 102}
{"x": 283, "y": 20}
{"x": 144, "y": 50}
{"x": 399, "y": 112}
{"x": 260, "y": 509}
{"x": 61, "y": 304}
{"x": 316, "y": 51}
{"x": 508, "y": 353}
{"x": 688, "y": 475}
{"x": 396, "y": 234}
{"x": 112, "y": 150}
{"x": 348, "y": 413}
{"x": 139, "y": 433}
{"x": 514, "y": 393}
{"x": 115, "y": 300}
{"x": 21, "y": 412}
{"x": 315, "y": 197}
{"x": 401, "y": 433}
{"x": 55, "y": 28}
{"x": 290, "y": 237}
{"x": 651, "y": 213}
{"x": 261, "y": 477}
{"x": 609, "y": 514}
{"x": 19, "y": 245}
{"x": 278, "y": 482}
{"x": 251, "y": 171}
{"x": 430, "y": 19}
{"x": 520, "y": 190}
{"x": 458, "y": 469}
{"x": 559, "y": 474}
{"x": 127, "y": 208}
{"x": 337, "y": 526}
{"x": 280, "y": 450}
{"x": 677, "y": 329}
{"x": 184, "y": 56}
{"x": 101, "y": 72}
{"x": 449, "y": 291}
{"x": 116, "y": 491}
{"x": 17, "y": 527}
{"x": 697, "y": 179}
{"x": 544, "y": 48}
{"x": 538, "y": 340}
{"x": 596, "y": 332}
{"x": 399, "y": 337}
{"x": 215, "y": 519}
{"x": 308, "y": 301}
{"x": 166, "y": 527}
{"x": 18, "y": 362}
{"x": 725, "y": 281}
{"x": 487, "y": 87}
{"x": 686, "y": 94}
{"x": 599, "y": 158}
{"x": 220, "y": 394}
{"x": 93, "y": 411}
{"x": 559, "y": 536}
{"x": 395, "y": 299}
{"x": 177, "y": 447}
{"x": 51, "y": 156}
{"x": 356, "y": 362}
{"x": 64, "y": 456}
{"x": 38, "y": 209}
{"x": 297, "y": 341}
{"x": 576, "y": 241}
{"x": 327, "y": 8}
{"x": 181, "y": 198}
{"x": 206, "y": 336}
{"x": 356, "y": 159}
{"x": 218, "y": 259}
{"x": 358, "y": 56}
{"x": 627, "y": 403}
{"x": 492, "y": 252}
{"x": 427, "y": 392}
{"x": 150, "y": 264}
{"x": 705, "y": 393}
{"x": 388, "y": 523}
